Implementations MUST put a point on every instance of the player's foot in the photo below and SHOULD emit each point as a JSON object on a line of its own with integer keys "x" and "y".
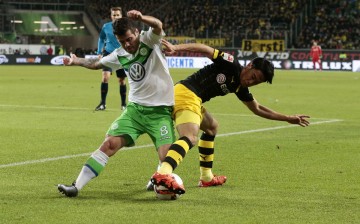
{"x": 68, "y": 190}
{"x": 216, "y": 181}
{"x": 150, "y": 186}
{"x": 168, "y": 181}
{"x": 101, "y": 106}
{"x": 123, "y": 107}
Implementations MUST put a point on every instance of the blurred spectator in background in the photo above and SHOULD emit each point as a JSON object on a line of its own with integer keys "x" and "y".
{"x": 233, "y": 20}
{"x": 43, "y": 49}
{"x": 61, "y": 50}
{"x": 26, "y": 52}
{"x": 43, "y": 40}
{"x": 52, "y": 41}
{"x": 18, "y": 40}
{"x": 50, "y": 50}
{"x": 79, "y": 52}
{"x": 69, "y": 51}
{"x": 343, "y": 56}
{"x": 335, "y": 24}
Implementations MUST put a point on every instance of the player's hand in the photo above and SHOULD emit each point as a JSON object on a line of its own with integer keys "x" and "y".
{"x": 134, "y": 14}
{"x": 299, "y": 119}
{"x": 168, "y": 48}
{"x": 310, "y": 58}
{"x": 69, "y": 60}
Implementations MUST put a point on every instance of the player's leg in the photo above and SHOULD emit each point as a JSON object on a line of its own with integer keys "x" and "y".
{"x": 162, "y": 150}
{"x": 94, "y": 165}
{"x": 179, "y": 149}
{"x": 314, "y": 64}
{"x": 320, "y": 67}
{"x": 122, "y": 87}
{"x": 209, "y": 126}
{"x": 98, "y": 160}
{"x": 163, "y": 135}
{"x": 122, "y": 132}
{"x": 104, "y": 88}
{"x": 187, "y": 115}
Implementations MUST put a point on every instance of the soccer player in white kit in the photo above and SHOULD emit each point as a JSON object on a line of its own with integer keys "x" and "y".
{"x": 151, "y": 96}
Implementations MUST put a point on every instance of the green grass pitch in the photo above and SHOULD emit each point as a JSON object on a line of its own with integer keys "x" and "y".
{"x": 277, "y": 173}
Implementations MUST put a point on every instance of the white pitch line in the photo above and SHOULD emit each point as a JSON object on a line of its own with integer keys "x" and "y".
{"x": 51, "y": 108}
{"x": 107, "y": 109}
{"x": 275, "y": 128}
{"x": 151, "y": 145}
{"x": 63, "y": 157}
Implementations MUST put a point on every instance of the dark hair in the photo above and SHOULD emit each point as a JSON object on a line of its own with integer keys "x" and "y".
{"x": 122, "y": 25}
{"x": 115, "y": 9}
{"x": 266, "y": 67}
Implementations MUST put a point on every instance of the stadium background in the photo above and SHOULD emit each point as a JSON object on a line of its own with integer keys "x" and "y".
{"x": 281, "y": 31}
{"x": 277, "y": 172}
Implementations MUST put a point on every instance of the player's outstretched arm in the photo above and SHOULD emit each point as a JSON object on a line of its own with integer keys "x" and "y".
{"x": 267, "y": 113}
{"x": 90, "y": 63}
{"x": 170, "y": 49}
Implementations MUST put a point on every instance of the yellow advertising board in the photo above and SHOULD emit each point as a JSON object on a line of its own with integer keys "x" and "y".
{"x": 213, "y": 42}
{"x": 263, "y": 45}
{"x": 180, "y": 39}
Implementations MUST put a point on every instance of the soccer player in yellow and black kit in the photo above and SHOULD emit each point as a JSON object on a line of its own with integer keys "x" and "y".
{"x": 225, "y": 75}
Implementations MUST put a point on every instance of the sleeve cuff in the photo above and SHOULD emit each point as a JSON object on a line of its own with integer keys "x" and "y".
{"x": 216, "y": 53}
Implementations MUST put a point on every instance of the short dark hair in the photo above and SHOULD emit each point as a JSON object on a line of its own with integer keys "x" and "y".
{"x": 116, "y": 9}
{"x": 265, "y": 66}
{"x": 122, "y": 25}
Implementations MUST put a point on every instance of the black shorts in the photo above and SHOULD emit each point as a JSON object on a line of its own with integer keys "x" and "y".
{"x": 120, "y": 73}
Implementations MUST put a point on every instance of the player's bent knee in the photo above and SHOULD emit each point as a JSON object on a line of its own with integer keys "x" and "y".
{"x": 111, "y": 145}
{"x": 212, "y": 129}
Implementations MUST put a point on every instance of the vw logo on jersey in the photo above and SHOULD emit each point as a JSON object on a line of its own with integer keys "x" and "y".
{"x": 220, "y": 78}
{"x": 137, "y": 72}
{"x": 143, "y": 51}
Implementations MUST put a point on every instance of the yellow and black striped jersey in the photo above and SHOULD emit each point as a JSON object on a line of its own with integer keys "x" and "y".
{"x": 218, "y": 79}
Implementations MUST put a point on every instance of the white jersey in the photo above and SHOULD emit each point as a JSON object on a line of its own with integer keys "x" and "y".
{"x": 147, "y": 71}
